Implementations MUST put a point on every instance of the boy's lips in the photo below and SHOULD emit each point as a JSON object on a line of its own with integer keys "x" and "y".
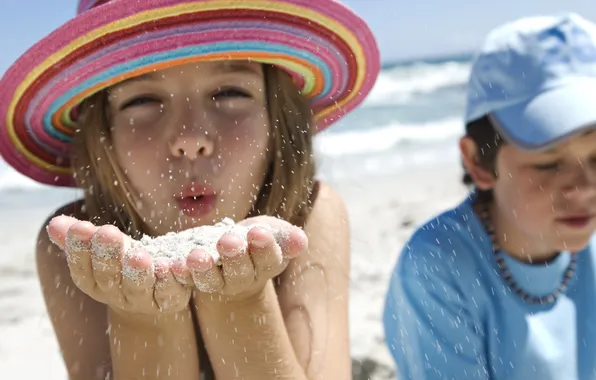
{"x": 576, "y": 220}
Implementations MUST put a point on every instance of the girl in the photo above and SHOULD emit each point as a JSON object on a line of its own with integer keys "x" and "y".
{"x": 502, "y": 286}
{"x": 171, "y": 114}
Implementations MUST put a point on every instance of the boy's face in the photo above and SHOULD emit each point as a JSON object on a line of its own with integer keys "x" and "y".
{"x": 546, "y": 201}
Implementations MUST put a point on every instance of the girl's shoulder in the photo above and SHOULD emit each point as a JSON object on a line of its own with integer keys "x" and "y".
{"x": 324, "y": 194}
{"x": 75, "y": 209}
{"x": 327, "y": 207}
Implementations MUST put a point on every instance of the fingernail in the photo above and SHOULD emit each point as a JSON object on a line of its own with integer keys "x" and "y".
{"x": 161, "y": 268}
{"x": 179, "y": 269}
{"x": 258, "y": 243}
{"x": 54, "y": 241}
{"x": 239, "y": 248}
{"x": 203, "y": 265}
{"x": 199, "y": 264}
{"x": 231, "y": 253}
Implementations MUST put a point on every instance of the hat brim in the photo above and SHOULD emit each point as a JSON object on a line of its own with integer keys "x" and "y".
{"x": 550, "y": 117}
{"x": 329, "y": 51}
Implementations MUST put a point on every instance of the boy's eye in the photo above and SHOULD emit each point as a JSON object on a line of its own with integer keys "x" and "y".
{"x": 138, "y": 101}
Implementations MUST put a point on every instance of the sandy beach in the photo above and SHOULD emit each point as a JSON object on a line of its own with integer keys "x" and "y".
{"x": 383, "y": 212}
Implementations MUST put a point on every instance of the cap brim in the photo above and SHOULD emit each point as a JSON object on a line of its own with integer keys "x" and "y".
{"x": 550, "y": 117}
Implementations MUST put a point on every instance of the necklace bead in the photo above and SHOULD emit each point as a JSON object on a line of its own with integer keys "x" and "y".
{"x": 508, "y": 277}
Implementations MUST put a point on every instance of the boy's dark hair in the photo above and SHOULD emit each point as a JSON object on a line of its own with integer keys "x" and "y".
{"x": 488, "y": 142}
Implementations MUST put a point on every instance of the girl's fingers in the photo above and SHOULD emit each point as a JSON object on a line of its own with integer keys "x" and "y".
{"x": 58, "y": 228}
{"x": 77, "y": 247}
{"x": 108, "y": 246}
{"x": 265, "y": 253}
{"x": 181, "y": 272}
{"x": 237, "y": 266}
{"x": 138, "y": 276}
{"x": 169, "y": 294}
{"x": 293, "y": 241}
{"x": 206, "y": 275}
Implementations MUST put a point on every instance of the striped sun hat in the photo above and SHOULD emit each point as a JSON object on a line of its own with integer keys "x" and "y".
{"x": 330, "y": 51}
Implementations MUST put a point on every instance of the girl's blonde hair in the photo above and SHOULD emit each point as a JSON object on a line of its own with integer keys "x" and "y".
{"x": 286, "y": 192}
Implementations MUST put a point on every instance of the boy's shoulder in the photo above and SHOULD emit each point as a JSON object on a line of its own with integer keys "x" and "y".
{"x": 453, "y": 241}
{"x": 454, "y": 226}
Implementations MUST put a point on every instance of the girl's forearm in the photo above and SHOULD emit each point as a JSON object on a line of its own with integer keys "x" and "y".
{"x": 247, "y": 339}
{"x": 153, "y": 347}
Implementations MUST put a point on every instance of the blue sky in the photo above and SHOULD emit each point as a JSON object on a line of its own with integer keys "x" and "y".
{"x": 404, "y": 28}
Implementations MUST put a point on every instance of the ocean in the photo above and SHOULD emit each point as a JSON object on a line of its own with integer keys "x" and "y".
{"x": 412, "y": 118}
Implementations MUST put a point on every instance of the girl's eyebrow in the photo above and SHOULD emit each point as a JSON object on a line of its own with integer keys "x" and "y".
{"x": 142, "y": 77}
{"x": 237, "y": 67}
{"x": 224, "y": 68}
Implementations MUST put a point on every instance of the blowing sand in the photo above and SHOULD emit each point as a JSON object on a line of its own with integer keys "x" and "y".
{"x": 383, "y": 213}
{"x": 174, "y": 246}
{"x": 179, "y": 245}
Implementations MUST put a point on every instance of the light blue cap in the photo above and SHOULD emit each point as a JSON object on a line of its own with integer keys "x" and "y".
{"x": 536, "y": 78}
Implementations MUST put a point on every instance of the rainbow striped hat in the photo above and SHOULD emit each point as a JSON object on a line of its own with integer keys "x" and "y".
{"x": 330, "y": 51}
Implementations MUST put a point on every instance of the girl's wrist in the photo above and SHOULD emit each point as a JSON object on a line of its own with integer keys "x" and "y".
{"x": 232, "y": 301}
{"x": 148, "y": 320}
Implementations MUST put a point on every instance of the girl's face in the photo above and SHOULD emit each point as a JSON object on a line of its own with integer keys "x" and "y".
{"x": 192, "y": 141}
{"x": 546, "y": 202}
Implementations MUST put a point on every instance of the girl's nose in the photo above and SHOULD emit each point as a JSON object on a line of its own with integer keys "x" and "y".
{"x": 192, "y": 144}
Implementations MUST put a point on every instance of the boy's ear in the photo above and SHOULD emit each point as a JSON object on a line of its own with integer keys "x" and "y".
{"x": 483, "y": 178}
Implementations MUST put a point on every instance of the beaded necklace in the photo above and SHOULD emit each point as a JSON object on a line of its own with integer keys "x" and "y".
{"x": 500, "y": 257}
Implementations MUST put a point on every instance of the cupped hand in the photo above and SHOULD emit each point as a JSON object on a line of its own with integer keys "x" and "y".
{"x": 246, "y": 263}
{"x": 103, "y": 267}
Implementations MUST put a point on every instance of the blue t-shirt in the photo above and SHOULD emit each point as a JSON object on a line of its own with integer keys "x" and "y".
{"x": 449, "y": 314}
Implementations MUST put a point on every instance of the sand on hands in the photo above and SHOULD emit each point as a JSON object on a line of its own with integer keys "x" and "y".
{"x": 178, "y": 245}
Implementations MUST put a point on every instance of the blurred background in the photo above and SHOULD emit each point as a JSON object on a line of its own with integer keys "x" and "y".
{"x": 394, "y": 160}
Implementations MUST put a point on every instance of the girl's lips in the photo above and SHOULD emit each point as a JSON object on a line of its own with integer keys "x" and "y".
{"x": 197, "y": 206}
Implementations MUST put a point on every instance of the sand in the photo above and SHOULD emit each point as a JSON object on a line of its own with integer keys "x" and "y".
{"x": 174, "y": 246}
{"x": 383, "y": 213}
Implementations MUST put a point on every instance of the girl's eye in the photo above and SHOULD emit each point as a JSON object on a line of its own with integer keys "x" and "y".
{"x": 547, "y": 166}
{"x": 139, "y": 101}
{"x": 228, "y": 93}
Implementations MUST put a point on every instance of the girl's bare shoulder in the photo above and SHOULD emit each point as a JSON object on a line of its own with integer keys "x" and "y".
{"x": 75, "y": 209}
